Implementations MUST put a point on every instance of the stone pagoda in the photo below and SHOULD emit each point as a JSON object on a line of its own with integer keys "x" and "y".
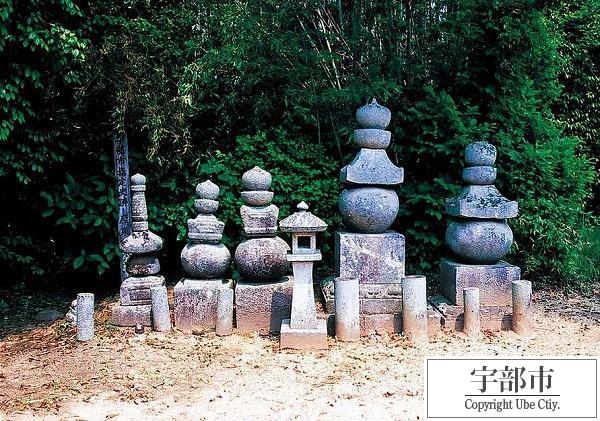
{"x": 303, "y": 330}
{"x": 367, "y": 249}
{"x": 263, "y": 294}
{"x": 479, "y": 238}
{"x": 142, "y": 266}
{"x": 205, "y": 260}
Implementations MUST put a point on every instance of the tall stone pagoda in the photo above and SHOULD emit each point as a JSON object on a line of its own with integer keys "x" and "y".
{"x": 143, "y": 266}
{"x": 479, "y": 238}
{"x": 368, "y": 203}
{"x": 263, "y": 294}
{"x": 205, "y": 260}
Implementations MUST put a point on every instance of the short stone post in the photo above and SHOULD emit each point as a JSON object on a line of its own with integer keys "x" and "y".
{"x": 161, "y": 316}
{"x": 471, "y": 314}
{"x": 224, "y": 325}
{"x": 85, "y": 316}
{"x": 347, "y": 309}
{"x": 521, "y": 301}
{"x": 414, "y": 307}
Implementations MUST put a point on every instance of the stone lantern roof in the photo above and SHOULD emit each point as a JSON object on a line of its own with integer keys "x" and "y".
{"x": 302, "y": 221}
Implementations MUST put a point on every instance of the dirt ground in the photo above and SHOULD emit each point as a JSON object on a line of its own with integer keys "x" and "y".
{"x": 45, "y": 373}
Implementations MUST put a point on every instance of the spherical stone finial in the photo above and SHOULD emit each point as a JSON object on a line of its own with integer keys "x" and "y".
{"x": 138, "y": 180}
{"x": 373, "y": 116}
{"x": 480, "y": 153}
{"x": 256, "y": 179}
{"x": 207, "y": 190}
{"x": 302, "y": 206}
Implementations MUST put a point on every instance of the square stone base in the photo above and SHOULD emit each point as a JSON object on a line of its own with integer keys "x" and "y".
{"x": 493, "y": 318}
{"x": 494, "y": 281}
{"x": 195, "y": 305}
{"x": 261, "y": 307}
{"x": 372, "y": 258}
{"x": 135, "y": 290}
{"x": 131, "y": 315}
{"x": 373, "y": 298}
{"x": 303, "y": 338}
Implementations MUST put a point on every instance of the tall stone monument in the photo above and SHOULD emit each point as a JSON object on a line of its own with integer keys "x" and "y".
{"x": 143, "y": 266}
{"x": 263, "y": 294}
{"x": 479, "y": 238}
{"x": 205, "y": 260}
{"x": 367, "y": 249}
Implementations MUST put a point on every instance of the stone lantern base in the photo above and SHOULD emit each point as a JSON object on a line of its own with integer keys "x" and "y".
{"x": 303, "y": 339}
{"x": 196, "y": 301}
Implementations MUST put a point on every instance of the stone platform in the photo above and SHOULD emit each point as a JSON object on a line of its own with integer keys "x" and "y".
{"x": 372, "y": 258}
{"x": 303, "y": 339}
{"x": 135, "y": 290}
{"x": 494, "y": 282}
{"x": 261, "y": 307}
{"x": 131, "y": 315}
{"x": 195, "y": 305}
{"x": 492, "y": 318}
{"x": 373, "y": 298}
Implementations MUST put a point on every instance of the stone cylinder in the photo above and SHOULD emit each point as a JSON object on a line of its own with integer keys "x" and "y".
{"x": 347, "y": 309}
{"x": 414, "y": 307}
{"x": 225, "y": 312}
{"x": 85, "y": 316}
{"x": 521, "y": 301}
{"x": 161, "y": 316}
{"x": 471, "y": 313}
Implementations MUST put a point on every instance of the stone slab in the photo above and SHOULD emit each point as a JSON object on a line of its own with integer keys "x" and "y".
{"x": 136, "y": 290}
{"x": 303, "y": 339}
{"x": 372, "y": 167}
{"x": 374, "y": 298}
{"x": 483, "y": 202}
{"x": 195, "y": 303}
{"x": 131, "y": 315}
{"x": 372, "y": 258}
{"x": 392, "y": 323}
{"x": 261, "y": 307}
{"x": 493, "y": 318}
{"x": 494, "y": 281}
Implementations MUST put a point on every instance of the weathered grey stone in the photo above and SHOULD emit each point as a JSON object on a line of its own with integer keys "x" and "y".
{"x": 261, "y": 307}
{"x": 494, "y": 281}
{"x": 143, "y": 265}
{"x": 372, "y": 258}
{"x": 136, "y": 290}
{"x": 414, "y": 307}
{"x": 141, "y": 242}
{"x": 256, "y": 179}
{"x": 369, "y": 209}
{"x": 472, "y": 322}
{"x": 522, "y": 307}
{"x": 373, "y": 116}
{"x": 85, "y": 316}
{"x": 206, "y": 206}
{"x": 380, "y": 305}
{"x": 196, "y": 301}
{"x": 262, "y": 259}
{"x": 372, "y": 138}
{"x": 480, "y": 175}
{"x": 484, "y": 202}
{"x": 257, "y": 197}
{"x": 161, "y": 315}
{"x": 302, "y": 221}
{"x": 224, "y": 325}
{"x": 372, "y": 167}
{"x": 480, "y": 153}
{"x": 205, "y": 228}
{"x": 479, "y": 242}
{"x": 205, "y": 261}
{"x": 492, "y": 318}
{"x": 132, "y": 315}
{"x": 303, "y": 338}
{"x": 259, "y": 221}
{"x": 71, "y": 316}
{"x": 347, "y": 309}
{"x": 207, "y": 190}
{"x": 139, "y": 211}
{"x": 381, "y": 291}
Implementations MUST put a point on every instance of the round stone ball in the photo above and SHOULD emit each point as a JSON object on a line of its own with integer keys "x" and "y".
{"x": 480, "y": 241}
{"x": 205, "y": 261}
{"x": 372, "y": 138}
{"x": 207, "y": 190}
{"x": 257, "y": 197}
{"x": 373, "y": 116}
{"x": 480, "y": 153}
{"x": 138, "y": 180}
{"x": 370, "y": 210}
{"x": 481, "y": 175}
{"x": 256, "y": 179}
{"x": 262, "y": 259}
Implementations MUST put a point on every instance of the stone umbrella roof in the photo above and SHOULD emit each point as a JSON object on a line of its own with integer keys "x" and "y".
{"x": 302, "y": 221}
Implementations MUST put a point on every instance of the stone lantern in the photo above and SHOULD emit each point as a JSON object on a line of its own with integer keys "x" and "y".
{"x": 303, "y": 330}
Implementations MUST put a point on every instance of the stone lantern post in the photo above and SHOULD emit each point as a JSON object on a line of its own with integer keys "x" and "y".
{"x": 303, "y": 330}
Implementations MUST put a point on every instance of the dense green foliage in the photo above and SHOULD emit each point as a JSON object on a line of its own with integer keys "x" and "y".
{"x": 208, "y": 89}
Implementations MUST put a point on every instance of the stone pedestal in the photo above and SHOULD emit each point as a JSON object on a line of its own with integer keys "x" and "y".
{"x": 493, "y": 318}
{"x": 136, "y": 290}
{"x": 262, "y": 307}
{"x": 196, "y": 303}
{"x": 131, "y": 315}
{"x": 303, "y": 339}
{"x": 372, "y": 258}
{"x": 494, "y": 282}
